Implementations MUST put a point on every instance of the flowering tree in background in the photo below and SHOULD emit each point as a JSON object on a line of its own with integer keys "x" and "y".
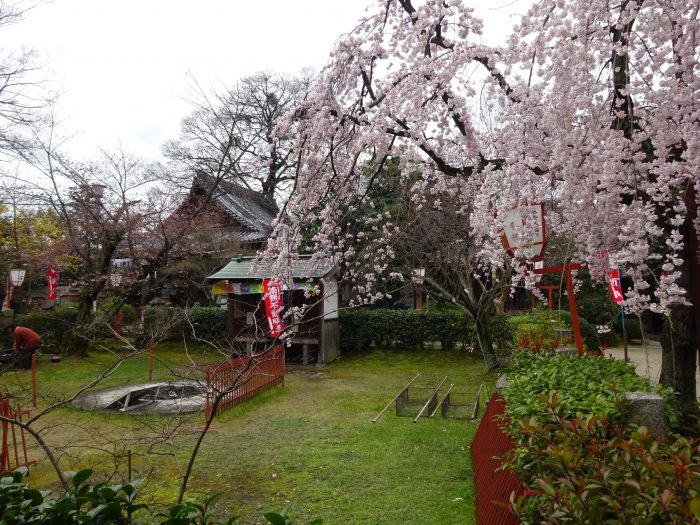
{"x": 598, "y": 114}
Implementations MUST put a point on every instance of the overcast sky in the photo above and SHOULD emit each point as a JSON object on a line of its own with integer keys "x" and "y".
{"x": 124, "y": 68}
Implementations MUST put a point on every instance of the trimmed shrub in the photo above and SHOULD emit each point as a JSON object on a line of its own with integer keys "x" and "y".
{"x": 128, "y": 311}
{"x": 633, "y": 327}
{"x": 174, "y": 324}
{"x": 54, "y": 327}
{"x": 503, "y": 333}
{"x": 362, "y": 327}
{"x": 584, "y": 385}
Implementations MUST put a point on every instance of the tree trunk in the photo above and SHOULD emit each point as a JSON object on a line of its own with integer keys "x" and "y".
{"x": 679, "y": 361}
{"x": 680, "y": 336}
{"x": 482, "y": 324}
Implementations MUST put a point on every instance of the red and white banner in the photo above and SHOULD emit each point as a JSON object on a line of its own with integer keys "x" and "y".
{"x": 273, "y": 306}
{"x": 615, "y": 288}
{"x": 52, "y": 279}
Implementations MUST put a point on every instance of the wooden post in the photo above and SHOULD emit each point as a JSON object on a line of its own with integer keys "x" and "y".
{"x": 206, "y": 406}
{"x": 33, "y": 380}
{"x": 574, "y": 312}
{"x": 567, "y": 268}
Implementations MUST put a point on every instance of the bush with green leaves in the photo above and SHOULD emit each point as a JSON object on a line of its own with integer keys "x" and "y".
{"x": 103, "y": 504}
{"x": 174, "y": 324}
{"x": 362, "y": 327}
{"x": 584, "y": 385}
{"x": 127, "y": 310}
{"x": 585, "y": 470}
{"x": 536, "y": 330}
{"x": 55, "y": 327}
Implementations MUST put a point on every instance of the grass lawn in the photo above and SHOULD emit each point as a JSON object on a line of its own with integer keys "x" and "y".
{"x": 311, "y": 442}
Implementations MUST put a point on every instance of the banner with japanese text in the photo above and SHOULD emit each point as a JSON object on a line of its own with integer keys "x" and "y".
{"x": 273, "y": 306}
{"x": 615, "y": 287}
{"x": 52, "y": 280}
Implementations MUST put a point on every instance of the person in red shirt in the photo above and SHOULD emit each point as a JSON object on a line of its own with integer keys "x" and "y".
{"x": 25, "y": 343}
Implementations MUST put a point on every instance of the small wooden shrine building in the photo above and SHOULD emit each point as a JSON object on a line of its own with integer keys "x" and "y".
{"x": 310, "y": 307}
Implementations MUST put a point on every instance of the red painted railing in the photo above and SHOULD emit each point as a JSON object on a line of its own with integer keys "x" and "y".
{"x": 13, "y": 453}
{"x": 240, "y": 379}
{"x": 493, "y": 486}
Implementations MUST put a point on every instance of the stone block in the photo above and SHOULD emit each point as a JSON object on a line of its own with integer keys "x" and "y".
{"x": 563, "y": 333}
{"x": 502, "y": 381}
{"x": 646, "y": 408}
{"x": 566, "y": 350}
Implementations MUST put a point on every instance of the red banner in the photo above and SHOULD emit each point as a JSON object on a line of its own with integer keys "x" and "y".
{"x": 615, "y": 288}
{"x": 52, "y": 279}
{"x": 273, "y": 306}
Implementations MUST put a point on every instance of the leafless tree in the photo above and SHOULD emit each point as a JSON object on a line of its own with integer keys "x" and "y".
{"x": 229, "y": 135}
{"x": 23, "y": 90}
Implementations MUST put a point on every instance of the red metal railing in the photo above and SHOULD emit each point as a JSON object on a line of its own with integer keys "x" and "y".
{"x": 238, "y": 380}
{"x": 14, "y": 446}
{"x": 493, "y": 486}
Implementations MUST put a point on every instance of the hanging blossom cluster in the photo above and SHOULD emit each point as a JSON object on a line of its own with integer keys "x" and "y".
{"x": 598, "y": 117}
{"x": 395, "y": 88}
{"x": 603, "y": 124}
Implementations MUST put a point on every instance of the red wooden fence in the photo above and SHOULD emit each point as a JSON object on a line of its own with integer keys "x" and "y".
{"x": 493, "y": 485}
{"x": 238, "y": 380}
{"x": 13, "y": 453}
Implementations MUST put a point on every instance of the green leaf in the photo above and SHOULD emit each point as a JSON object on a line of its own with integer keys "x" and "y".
{"x": 695, "y": 507}
{"x": 275, "y": 518}
{"x": 79, "y": 478}
{"x": 92, "y": 513}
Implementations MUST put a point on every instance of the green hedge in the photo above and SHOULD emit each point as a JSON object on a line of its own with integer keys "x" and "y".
{"x": 55, "y": 328}
{"x": 174, "y": 324}
{"x": 361, "y": 327}
{"x": 128, "y": 311}
{"x": 584, "y": 385}
{"x": 574, "y": 452}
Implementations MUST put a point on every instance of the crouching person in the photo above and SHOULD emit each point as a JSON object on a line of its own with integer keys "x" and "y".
{"x": 25, "y": 343}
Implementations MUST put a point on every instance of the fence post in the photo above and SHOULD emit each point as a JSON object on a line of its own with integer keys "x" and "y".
{"x": 206, "y": 406}
{"x": 5, "y": 454}
{"x": 33, "y": 380}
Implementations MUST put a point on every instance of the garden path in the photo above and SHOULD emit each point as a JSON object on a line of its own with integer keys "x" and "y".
{"x": 645, "y": 355}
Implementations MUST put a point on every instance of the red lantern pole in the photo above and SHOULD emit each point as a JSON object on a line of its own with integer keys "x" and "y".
{"x": 575, "y": 325}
